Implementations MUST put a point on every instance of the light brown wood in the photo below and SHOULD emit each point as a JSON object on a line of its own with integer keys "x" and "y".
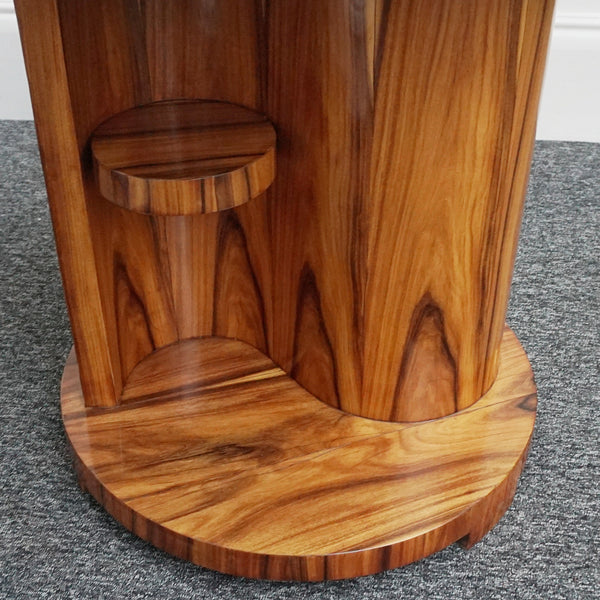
{"x": 453, "y": 182}
{"x": 401, "y": 320}
{"x": 104, "y": 58}
{"x": 392, "y": 260}
{"x": 184, "y": 157}
{"x": 159, "y": 279}
{"x": 217, "y": 456}
{"x": 374, "y": 272}
{"x": 48, "y": 81}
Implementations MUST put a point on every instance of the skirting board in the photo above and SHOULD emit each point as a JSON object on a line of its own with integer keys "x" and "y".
{"x": 14, "y": 93}
{"x": 570, "y": 98}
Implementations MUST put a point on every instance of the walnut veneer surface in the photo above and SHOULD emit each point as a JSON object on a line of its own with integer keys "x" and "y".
{"x": 184, "y": 157}
{"x": 376, "y": 269}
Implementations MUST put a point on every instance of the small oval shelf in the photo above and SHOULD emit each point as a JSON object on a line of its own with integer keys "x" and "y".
{"x": 184, "y": 157}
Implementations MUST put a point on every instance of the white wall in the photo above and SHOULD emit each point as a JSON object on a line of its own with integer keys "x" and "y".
{"x": 570, "y": 107}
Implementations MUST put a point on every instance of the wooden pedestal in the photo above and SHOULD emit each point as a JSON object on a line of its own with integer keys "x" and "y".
{"x": 286, "y": 230}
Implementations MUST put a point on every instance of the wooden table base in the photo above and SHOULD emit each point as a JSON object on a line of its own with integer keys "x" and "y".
{"x": 217, "y": 456}
{"x": 286, "y": 231}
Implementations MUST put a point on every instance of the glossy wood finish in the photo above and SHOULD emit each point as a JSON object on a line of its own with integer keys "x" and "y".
{"x": 184, "y": 157}
{"x": 43, "y": 51}
{"x": 427, "y": 110}
{"x": 219, "y": 457}
{"x": 376, "y": 271}
{"x": 159, "y": 279}
{"x": 372, "y": 275}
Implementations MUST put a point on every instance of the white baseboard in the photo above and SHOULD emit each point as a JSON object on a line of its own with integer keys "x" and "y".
{"x": 570, "y": 107}
{"x": 14, "y": 93}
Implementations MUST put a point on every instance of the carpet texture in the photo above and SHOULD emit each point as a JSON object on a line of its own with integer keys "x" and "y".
{"x": 56, "y": 542}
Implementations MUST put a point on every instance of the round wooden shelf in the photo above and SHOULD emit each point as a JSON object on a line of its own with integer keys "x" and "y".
{"x": 184, "y": 157}
{"x": 217, "y": 456}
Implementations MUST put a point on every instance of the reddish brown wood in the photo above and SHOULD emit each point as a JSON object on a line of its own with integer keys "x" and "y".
{"x": 49, "y": 85}
{"x": 430, "y": 140}
{"x": 374, "y": 272}
{"x": 159, "y": 279}
{"x": 455, "y": 180}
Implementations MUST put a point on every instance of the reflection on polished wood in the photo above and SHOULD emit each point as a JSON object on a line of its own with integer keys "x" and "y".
{"x": 413, "y": 189}
{"x": 184, "y": 157}
{"x": 371, "y": 272}
{"x": 376, "y": 268}
{"x": 219, "y": 457}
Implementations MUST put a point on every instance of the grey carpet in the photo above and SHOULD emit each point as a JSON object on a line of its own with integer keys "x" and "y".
{"x": 56, "y": 542}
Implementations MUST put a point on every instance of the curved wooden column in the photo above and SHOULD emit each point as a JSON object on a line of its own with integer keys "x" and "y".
{"x": 406, "y": 132}
{"x": 376, "y": 271}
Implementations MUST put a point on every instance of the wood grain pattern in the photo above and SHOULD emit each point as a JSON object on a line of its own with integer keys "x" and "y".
{"x": 249, "y": 474}
{"x": 206, "y": 49}
{"x": 184, "y": 157}
{"x": 106, "y": 73}
{"x": 155, "y": 275}
{"x": 220, "y": 265}
{"x": 451, "y": 184}
{"x": 377, "y": 269}
{"x": 373, "y": 275}
{"x": 413, "y": 193}
{"x": 56, "y": 131}
{"x": 320, "y": 96}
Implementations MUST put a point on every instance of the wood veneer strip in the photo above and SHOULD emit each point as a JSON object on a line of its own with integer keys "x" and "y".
{"x": 405, "y": 130}
{"x": 45, "y": 61}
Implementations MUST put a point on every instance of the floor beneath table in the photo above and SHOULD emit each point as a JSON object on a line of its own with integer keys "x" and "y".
{"x": 56, "y": 542}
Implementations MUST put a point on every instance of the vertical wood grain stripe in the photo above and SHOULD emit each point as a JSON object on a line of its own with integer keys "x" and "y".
{"x": 377, "y": 269}
{"x": 45, "y": 62}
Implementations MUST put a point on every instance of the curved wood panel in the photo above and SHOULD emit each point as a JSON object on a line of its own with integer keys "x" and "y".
{"x": 104, "y": 59}
{"x": 406, "y": 130}
{"x": 184, "y": 157}
{"x": 373, "y": 275}
{"x": 447, "y": 196}
{"x": 154, "y": 275}
{"x": 320, "y": 96}
{"x": 218, "y": 457}
{"x": 58, "y": 131}
{"x": 377, "y": 269}
{"x": 206, "y": 49}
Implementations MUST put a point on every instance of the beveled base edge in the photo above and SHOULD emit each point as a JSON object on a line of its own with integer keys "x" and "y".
{"x": 468, "y": 529}
{"x": 511, "y": 400}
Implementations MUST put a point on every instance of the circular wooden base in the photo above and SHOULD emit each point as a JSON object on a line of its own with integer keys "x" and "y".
{"x": 217, "y": 456}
